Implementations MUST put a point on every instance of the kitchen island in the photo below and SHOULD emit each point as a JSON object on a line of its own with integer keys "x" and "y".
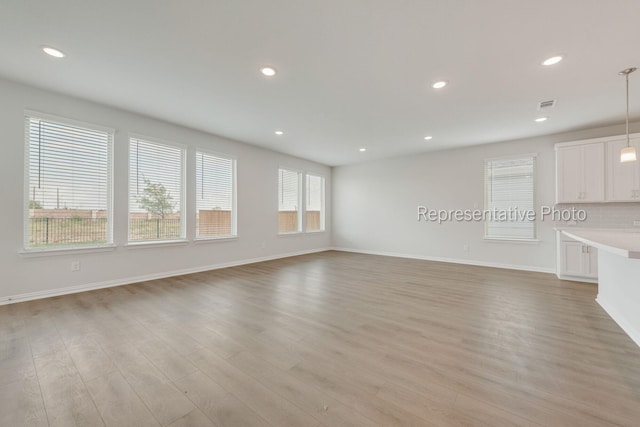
{"x": 618, "y": 274}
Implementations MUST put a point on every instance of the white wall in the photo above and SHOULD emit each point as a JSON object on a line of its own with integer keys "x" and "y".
{"x": 25, "y": 276}
{"x": 375, "y": 204}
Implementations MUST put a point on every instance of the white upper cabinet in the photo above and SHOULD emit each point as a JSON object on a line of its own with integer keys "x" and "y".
{"x": 580, "y": 173}
{"x": 623, "y": 179}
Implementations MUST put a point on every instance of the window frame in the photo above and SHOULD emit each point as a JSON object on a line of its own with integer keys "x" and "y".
{"x": 322, "y": 202}
{"x": 183, "y": 190}
{"x": 528, "y": 156}
{"x": 72, "y": 248}
{"x": 234, "y": 196}
{"x": 300, "y": 228}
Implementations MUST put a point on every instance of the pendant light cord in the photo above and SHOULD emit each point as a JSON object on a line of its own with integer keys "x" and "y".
{"x": 627, "y": 78}
{"x": 626, "y": 73}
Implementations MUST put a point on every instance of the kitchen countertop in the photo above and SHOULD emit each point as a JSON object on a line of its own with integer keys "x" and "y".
{"x": 621, "y": 242}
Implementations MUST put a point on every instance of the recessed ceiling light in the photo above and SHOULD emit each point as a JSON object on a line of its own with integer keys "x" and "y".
{"x": 440, "y": 84}
{"x": 53, "y": 52}
{"x": 427, "y": 138}
{"x": 363, "y": 149}
{"x": 268, "y": 71}
{"x": 541, "y": 119}
{"x": 553, "y": 60}
{"x": 279, "y": 132}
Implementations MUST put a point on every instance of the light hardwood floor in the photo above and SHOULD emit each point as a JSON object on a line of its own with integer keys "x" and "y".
{"x": 330, "y": 339}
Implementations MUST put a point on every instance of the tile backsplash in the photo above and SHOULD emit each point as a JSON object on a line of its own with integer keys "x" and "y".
{"x": 604, "y": 215}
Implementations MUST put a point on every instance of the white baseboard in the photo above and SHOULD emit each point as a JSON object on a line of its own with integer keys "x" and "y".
{"x": 626, "y": 326}
{"x": 577, "y": 278}
{"x": 129, "y": 280}
{"x": 163, "y": 275}
{"x": 451, "y": 260}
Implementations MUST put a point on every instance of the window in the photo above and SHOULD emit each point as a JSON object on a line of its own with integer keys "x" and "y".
{"x": 289, "y": 201}
{"x": 314, "y": 208}
{"x": 215, "y": 198}
{"x": 155, "y": 191}
{"x": 509, "y": 192}
{"x": 68, "y": 184}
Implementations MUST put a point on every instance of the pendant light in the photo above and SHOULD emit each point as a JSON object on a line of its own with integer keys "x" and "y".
{"x": 628, "y": 153}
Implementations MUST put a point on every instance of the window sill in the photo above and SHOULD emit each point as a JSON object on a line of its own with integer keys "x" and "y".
{"x": 42, "y": 252}
{"x": 202, "y": 240}
{"x": 156, "y": 244}
{"x": 508, "y": 240}
{"x": 301, "y": 233}
{"x": 291, "y": 233}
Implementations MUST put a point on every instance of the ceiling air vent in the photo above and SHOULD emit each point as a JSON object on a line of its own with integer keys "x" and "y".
{"x": 543, "y": 105}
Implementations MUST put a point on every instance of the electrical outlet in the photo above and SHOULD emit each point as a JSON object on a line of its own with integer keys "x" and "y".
{"x": 636, "y": 223}
{"x": 75, "y": 265}
{"x": 465, "y": 248}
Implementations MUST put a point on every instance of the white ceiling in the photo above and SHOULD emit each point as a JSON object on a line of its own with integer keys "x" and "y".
{"x": 351, "y": 73}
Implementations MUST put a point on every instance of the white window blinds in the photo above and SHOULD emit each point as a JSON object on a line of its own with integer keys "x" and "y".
{"x": 155, "y": 191}
{"x": 68, "y": 182}
{"x": 289, "y": 201}
{"x": 314, "y": 207}
{"x": 510, "y": 198}
{"x": 215, "y": 196}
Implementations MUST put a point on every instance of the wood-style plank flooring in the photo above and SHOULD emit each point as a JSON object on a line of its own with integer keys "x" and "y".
{"x": 329, "y": 339}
